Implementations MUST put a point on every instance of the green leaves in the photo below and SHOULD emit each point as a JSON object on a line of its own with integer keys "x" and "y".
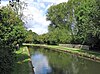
{"x": 60, "y": 27}
{"x": 76, "y": 21}
{"x": 12, "y": 32}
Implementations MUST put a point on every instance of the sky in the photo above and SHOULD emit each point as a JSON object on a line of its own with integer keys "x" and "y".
{"x": 35, "y": 13}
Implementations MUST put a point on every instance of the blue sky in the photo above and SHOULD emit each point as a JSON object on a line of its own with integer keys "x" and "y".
{"x": 36, "y": 11}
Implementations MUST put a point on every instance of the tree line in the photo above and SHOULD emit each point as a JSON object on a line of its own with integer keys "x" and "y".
{"x": 74, "y": 22}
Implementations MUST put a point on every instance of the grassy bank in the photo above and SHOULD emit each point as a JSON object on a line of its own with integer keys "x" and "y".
{"x": 22, "y": 62}
{"x": 92, "y": 55}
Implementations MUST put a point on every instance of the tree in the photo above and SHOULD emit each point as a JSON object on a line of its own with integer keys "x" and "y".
{"x": 59, "y": 16}
{"x": 61, "y": 23}
{"x": 12, "y": 32}
{"x": 87, "y": 14}
{"x": 31, "y": 37}
{"x": 77, "y": 20}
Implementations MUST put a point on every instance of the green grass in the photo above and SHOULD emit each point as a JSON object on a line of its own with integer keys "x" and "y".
{"x": 22, "y": 62}
{"x": 86, "y": 53}
{"x": 80, "y": 51}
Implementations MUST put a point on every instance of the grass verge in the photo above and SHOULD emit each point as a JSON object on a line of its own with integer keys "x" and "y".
{"x": 92, "y": 55}
{"x": 22, "y": 62}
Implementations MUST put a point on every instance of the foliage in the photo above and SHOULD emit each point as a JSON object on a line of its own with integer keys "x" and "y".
{"x": 12, "y": 32}
{"x": 76, "y": 21}
{"x": 60, "y": 27}
{"x": 31, "y": 37}
{"x": 88, "y": 25}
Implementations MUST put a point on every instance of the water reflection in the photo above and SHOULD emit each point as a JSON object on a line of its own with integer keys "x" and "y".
{"x": 48, "y": 61}
{"x": 40, "y": 63}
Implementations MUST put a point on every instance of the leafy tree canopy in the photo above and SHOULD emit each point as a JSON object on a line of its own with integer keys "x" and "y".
{"x": 12, "y": 32}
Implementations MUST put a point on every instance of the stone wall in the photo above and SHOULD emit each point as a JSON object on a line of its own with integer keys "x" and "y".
{"x": 78, "y": 46}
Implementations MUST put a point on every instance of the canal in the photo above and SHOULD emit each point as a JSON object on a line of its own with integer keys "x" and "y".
{"x": 48, "y": 61}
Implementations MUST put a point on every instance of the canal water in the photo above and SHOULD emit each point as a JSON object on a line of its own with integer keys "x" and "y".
{"x": 48, "y": 61}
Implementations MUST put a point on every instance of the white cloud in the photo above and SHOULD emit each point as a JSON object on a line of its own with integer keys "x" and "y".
{"x": 53, "y": 1}
{"x": 39, "y": 23}
{"x": 39, "y": 30}
{"x": 35, "y": 14}
{"x": 60, "y": 1}
{"x": 37, "y": 8}
{"x": 42, "y": 5}
{"x": 4, "y": 3}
